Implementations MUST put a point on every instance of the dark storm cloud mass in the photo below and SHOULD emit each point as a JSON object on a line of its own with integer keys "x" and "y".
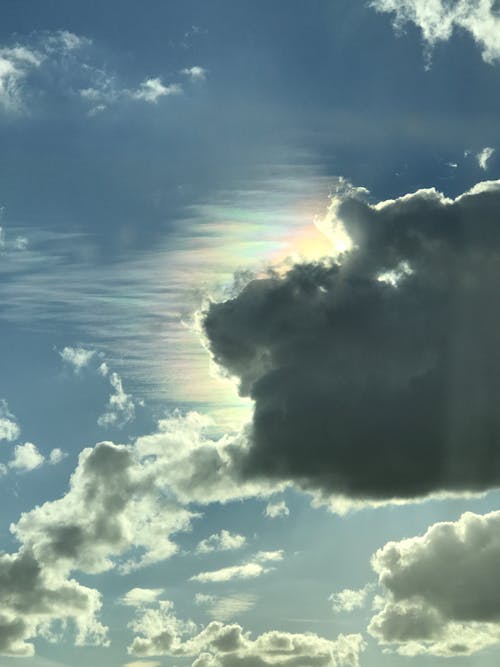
{"x": 377, "y": 376}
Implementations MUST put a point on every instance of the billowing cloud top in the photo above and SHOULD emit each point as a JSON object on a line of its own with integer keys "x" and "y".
{"x": 376, "y": 375}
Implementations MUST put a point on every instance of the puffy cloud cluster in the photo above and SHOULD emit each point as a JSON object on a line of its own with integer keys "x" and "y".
{"x": 77, "y": 357}
{"x": 276, "y": 509}
{"x": 441, "y": 595}
{"x": 220, "y": 645}
{"x": 375, "y": 375}
{"x": 223, "y": 541}
{"x": 350, "y": 599}
{"x": 437, "y": 19}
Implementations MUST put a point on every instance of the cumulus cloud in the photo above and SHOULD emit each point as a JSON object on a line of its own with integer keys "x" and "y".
{"x": 225, "y": 607}
{"x": 121, "y": 406}
{"x": 484, "y": 156}
{"x": 223, "y": 541}
{"x": 440, "y": 589}
{"x": 372, "y": 389}
{"x": 9, "y": 429}
{"x": 195, "y": 73}
{"x": 249, "y": 570}
{"x": 438, "y": 19}
{"x": 349, "y": 599}
{"x": 220, "y": 645}
{"x": 56, "y": 456}
{"x": 276, "y": 509}
{"x": 77, "y": 357}
{"x": 26, "y": 457}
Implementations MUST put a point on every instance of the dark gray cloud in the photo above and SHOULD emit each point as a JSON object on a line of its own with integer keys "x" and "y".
{"x": 377, "y": 375}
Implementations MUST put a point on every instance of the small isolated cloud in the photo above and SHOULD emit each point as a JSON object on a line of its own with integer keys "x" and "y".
{"x": 223, "y": 541}
{"x": 195, "y": 73}
{"x": 484, "y": 156}
{"x": 77, "y": 357}
{"x": 26, "y": 458}
{"x": 151, "y": 90}
{"x": 160, "y": 632}
{"x": 438, "y": 19}
{"x": 121, "y": 406}
{"x": 249, "y": 570}
{"x": 275, "y": 510}
{"x": 9, "y": 429}
{"x": 223, "y": 608}
{"x": 349, "y": 599}
{"x": 56, "y": 456}
{"x": 138, "y": 597}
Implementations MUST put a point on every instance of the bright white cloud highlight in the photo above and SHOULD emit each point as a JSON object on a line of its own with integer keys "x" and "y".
{"x": 195, "y": 73}
{"x": 349, "y": 599}
{"x": 438, "y": 19}
{"x": 483, "y": 157}
{"x": 275, "y": 510}
{"x": 9, "y": 429}
{"x": 223, "y": 541}
{"x": 77, "y": 357}
{"x": 138, "y": 597}
{"x": 151, "y": 90}
{"x": 249, "y": 570}
{"x": 26, "y": 458}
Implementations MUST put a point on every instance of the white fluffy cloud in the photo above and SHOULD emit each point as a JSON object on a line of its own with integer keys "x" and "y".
{"x": 484, "y": 156}
{"x": 350, "y": 599}
{"x": 437, "y": 19}
{"x": 121, "y": 406}
{"x": 160, "y": 632}
{"x": 151, "y": 90}
{"x": 9, "y": 429}
{"x": 441, "y": 592}
{"x": 26, "y": 457}
{"x": 195, "y": 73}
{"x": 77, "y": 357}
{"x": 249, "y": 570}
{"x": 137, "y": 597}
{"x": 276, "y": 509}
{"x": 223, "y": 541}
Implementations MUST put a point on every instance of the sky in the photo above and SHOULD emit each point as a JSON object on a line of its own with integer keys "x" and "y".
{"x": 249, "y": 368}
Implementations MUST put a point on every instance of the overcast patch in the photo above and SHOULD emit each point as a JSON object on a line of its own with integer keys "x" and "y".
{"x": 441, "y": 594}
{"x": 367, "y": 389}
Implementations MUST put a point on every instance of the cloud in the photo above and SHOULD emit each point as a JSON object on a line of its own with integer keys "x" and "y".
{"x": 437, "y": 19}
{"x": 33, "y": 598}
{"x": 349, "y": 599}
{"x": 220, "y": 645}
{"x": 26, "y": 457}
{"x": 56, "y": 456}
{"x": 484, "y": 156}
{"x": 277, "y": 509}
{"x": 137, "y": 597}
{"x": 18, "y": 63}
{"x": 440, "y": 589}
{"x": 9, "y": 429}
{"x": 150, "y": 90}
{"x": 223, "y": 541}
{"x": 223, "y": 608}
{"x": 368, "y": 389}
{"x": 77, "y": 357}
{"x": 121, "y": 406}
{"x": 195, "y": 73}
{"x": 250, "y": 570}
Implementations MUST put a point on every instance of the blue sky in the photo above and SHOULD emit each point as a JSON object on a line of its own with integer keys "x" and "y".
{"x": 248, "y": 381}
